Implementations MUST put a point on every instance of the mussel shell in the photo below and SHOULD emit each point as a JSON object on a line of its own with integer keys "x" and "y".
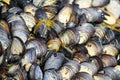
{"x": 108, "y": 60}
{"x": 69, "y": 69}
{"x": 39, "y": 13}
{"x": 21, "y": 75}
{"x": 43, "y": 28}
{"x": 18, "y": 27}
{"x": 55, "y": 61}
{"x": 97, "y": 17}
{"x": 82, "y": 76}
{"x": 70, "y": 36}
{"x": 116, "y": 42}
{"x": 88, "y": 67}
{"x": 83, "y": 3}
{"x": 4, "y": 38}
{"x": 97, "y": 61}
{"x": 100, "y": 76}
{"x": 54, "y": 42}
{"x": 58, "y": 26}
{"x": 80, "y": 57}
{"x": 115, "y": 11}
{"x": 49, "y": 3}
{"x": 22, "y": 3}
{"x": 38, "y": 3}
{"x": 100, "y": 31}
{"x": 111, "y": 72}
{"x": 14, "y": 10}
{"x": 86, "y": 30}
{"x": 94, "y": 46}
{"x": 5, "y": 26}
{"x": 39, "y": 45}
{"x": 100, "y": 3}
{"x": 50, "y": 11}
{"x": 17, "y": 46}
{"x": 52, "y": 75}
{"x": 110, "y": 49}
{"x": 14, "y": 69}
{"x": 67, "y": 1}
{"x": 3, "y": 59}
{"x": 65, "y": 14}
{"x": 29, "y": 20}
{"x": 29, "y": 57}
{"x": 30, "y": 8}
{"x": 117, "y": 71}
{"x": 35, "y": 72}
{"x": 109, "y": 36}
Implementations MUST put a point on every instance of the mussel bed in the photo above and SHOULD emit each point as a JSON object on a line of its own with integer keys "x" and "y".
{"x": 59, "y": 39}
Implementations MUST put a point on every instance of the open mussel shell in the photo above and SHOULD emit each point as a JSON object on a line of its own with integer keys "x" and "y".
{"x": 52, "y": 75}
{"x": 69, "y": 36}
{"x": 111, "y": 72}
{"x": 94, "y": 46}
{"x": 86, "y": 30}
{"x": 97, "y": 61}
{"x": 17, "y": 46}
{"x": 55, "y": 61}
{"x": 38, "y": 45}
{"x": 97, "y": 17}
{"x": 65, "y": 13}
{"x": 82, "y": 76}
{"x": 35, "y": 72}
{"x": 29, "y": 57}
{"x": 69, "y": 69}
{"x": 29, "y": 20}
{"x": 100, "y": 3}
{"x": 110, "y": 49}
{"x": 101, "y": 76}
{"x": 88, "y": 67}
{"x": 83, "y": 3}
{"x": 108, "y": 60}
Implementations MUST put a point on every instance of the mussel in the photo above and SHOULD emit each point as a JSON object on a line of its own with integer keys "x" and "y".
{"x": 69, "y": 69}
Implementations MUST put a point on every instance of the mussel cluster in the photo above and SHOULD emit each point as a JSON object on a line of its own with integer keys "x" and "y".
{"x": 59, "y": 40}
